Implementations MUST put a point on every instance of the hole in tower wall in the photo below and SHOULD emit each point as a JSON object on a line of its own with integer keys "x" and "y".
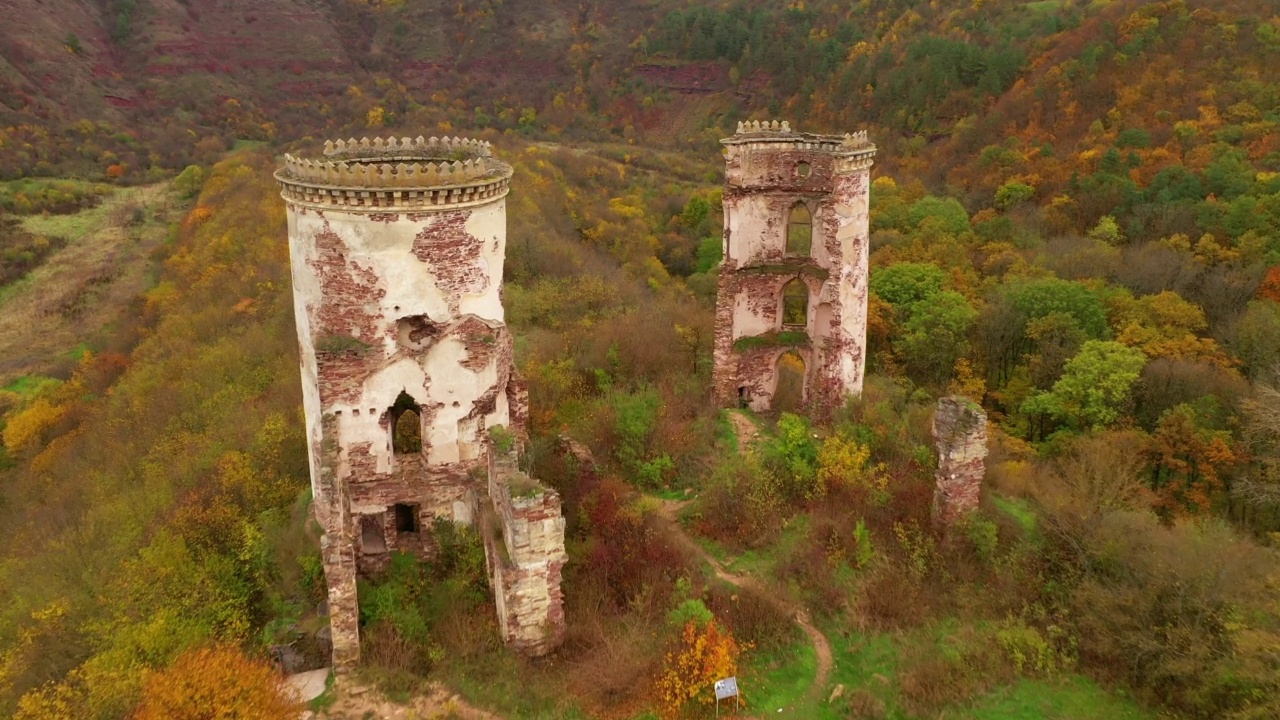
{"x": 417, "y": 332}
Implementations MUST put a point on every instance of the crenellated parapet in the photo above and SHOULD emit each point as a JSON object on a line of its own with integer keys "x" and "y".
{"x": 409, "y": 174}
{"x": 851, "y": 151}
{"x": 393, "y": 149}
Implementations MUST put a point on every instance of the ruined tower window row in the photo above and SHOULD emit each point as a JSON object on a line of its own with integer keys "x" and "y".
{"x": 799, "y": 230}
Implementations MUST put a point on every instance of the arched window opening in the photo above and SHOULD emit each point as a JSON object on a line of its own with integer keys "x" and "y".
{"x": 799, "y": 230}
{"x": 795, "y": 304}
{"x": 406, "y": 425}
{"x": 788, "y": 395}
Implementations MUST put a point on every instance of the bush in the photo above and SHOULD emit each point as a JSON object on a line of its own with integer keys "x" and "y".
{"x": 216, "y": 681}
{"x": 754, "y": 618}
{"x": 1185, "y": 615}
{"x": 742, "y": 504}
{"x": 701, "y": 655}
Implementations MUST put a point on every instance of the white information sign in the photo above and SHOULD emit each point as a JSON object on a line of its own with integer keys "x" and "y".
{"x": 725, "y": 689}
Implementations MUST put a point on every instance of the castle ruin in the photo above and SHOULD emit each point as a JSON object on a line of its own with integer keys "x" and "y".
{"x": 791, "y": 306}
{"x": 414, "y": 411}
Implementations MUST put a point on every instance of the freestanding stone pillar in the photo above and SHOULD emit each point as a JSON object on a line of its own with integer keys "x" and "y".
{"x": 960, "y": 431}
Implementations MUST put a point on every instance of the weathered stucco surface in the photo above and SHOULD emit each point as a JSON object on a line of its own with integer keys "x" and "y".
{"x": 771, "y": 170}
{"x": 960, "y": 432}
{"x": 397, "y": 278}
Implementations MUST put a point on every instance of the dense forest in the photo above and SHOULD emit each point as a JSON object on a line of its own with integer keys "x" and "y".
{"x": 1075, "y": 223}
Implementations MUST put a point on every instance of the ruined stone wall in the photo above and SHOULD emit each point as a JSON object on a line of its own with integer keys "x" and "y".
{"x": 960, "y": 432}
{"x": 525, "y": 555}
{"x": 769, "y": 171}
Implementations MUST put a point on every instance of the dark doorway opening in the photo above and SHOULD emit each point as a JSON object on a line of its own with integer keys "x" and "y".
{"x": 789, "y": 395}
{"x": 406, "y": 518}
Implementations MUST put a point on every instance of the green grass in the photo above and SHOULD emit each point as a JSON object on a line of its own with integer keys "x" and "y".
{"x": 1045, "y": 6}
{"x": 29, "y": 384}
{"x": 760, "y": 562}
{"x": 1019, "y": 510}
{"x": 1069, "y": 698}
{"x": 499, "y": 681}
{"x": 782, "y": 680}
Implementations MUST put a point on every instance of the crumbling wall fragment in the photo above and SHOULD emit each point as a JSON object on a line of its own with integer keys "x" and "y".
{"x": 960, "y": 432}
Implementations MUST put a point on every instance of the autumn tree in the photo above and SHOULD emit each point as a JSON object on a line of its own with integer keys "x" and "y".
{"x": 216, "y": 682}
{"x": 703, "y": 654}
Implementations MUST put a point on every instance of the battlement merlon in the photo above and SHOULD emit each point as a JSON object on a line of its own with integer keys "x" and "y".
{"x": 455, "y": 148}
{"x": 855, "y": 149}
{"x": 380, "y": 175}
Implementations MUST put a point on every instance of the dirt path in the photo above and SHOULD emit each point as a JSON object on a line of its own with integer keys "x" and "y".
{"x": 670, "y": 511}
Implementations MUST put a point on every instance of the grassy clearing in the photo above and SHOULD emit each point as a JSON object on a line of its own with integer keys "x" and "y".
{"x": 1018, "y": 510}
{"x": 778, "y": 684}
{"x": 76, "y": 226}
{"x": 28, "y": 385}
{"x": 77, "y": 296}
{"x": 1067, "y": 698}
{"x": 503, "y": 683}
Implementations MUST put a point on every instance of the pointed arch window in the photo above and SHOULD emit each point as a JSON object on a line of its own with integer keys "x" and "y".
{"x": 406, "y": 425}
{"x": 799, "y": 230}
{"x": 795, "y": 304}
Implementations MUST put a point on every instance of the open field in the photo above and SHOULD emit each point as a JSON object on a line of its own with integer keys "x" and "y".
{"x": 65, "y": 305}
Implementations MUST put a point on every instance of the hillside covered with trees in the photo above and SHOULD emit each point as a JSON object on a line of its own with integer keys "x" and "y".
{"x": 1076, "y": 224}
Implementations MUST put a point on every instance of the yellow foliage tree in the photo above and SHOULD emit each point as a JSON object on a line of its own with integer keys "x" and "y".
{"x": 27, "y": 427}
{"x": 843, "y": 461}
{"x": 216, "y": 683}
{"x": 705, "y": 653}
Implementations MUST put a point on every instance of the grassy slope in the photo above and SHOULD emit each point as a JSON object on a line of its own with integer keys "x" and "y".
{"x": 85, "y": 288}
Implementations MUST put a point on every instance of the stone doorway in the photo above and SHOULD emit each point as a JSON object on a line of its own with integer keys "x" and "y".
{"x": 789, "y": 393}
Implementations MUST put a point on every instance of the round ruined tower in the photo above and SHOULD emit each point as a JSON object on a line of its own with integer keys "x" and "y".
{"x": 791, "y": 305}
{"x": 397, "y": 250}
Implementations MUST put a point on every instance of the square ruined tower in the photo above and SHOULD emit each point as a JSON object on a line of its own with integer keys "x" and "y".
{"x": 791, "y": 306}
{"x": 397, "y": 251}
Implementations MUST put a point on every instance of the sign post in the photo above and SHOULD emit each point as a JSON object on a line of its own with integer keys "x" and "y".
{"x": 725, "y": 689}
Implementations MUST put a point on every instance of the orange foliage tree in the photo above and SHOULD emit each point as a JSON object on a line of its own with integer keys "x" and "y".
{"x": 216, "y": 683}
{"x": 1190, "y": 463}
{"x": 704, "y": 653}
{"x": 1270, "y": 289}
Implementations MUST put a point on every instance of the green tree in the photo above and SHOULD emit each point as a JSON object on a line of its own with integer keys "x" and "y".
{"x": 1257, "y": 340}
{"x": 1095, "y": 387}
{"x": 936, "y": 336}
{"x": 947, "y": 213}
{"x": 1012, "y": 193}
{"x": 905, "y": 284}
{"x": 1036, "y": 299}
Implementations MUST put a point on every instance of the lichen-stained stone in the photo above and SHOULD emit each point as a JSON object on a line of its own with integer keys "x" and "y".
{"x": 796, "y": 210}
{"x": 397, "y": 249}
{"x": 960, "y": 432}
